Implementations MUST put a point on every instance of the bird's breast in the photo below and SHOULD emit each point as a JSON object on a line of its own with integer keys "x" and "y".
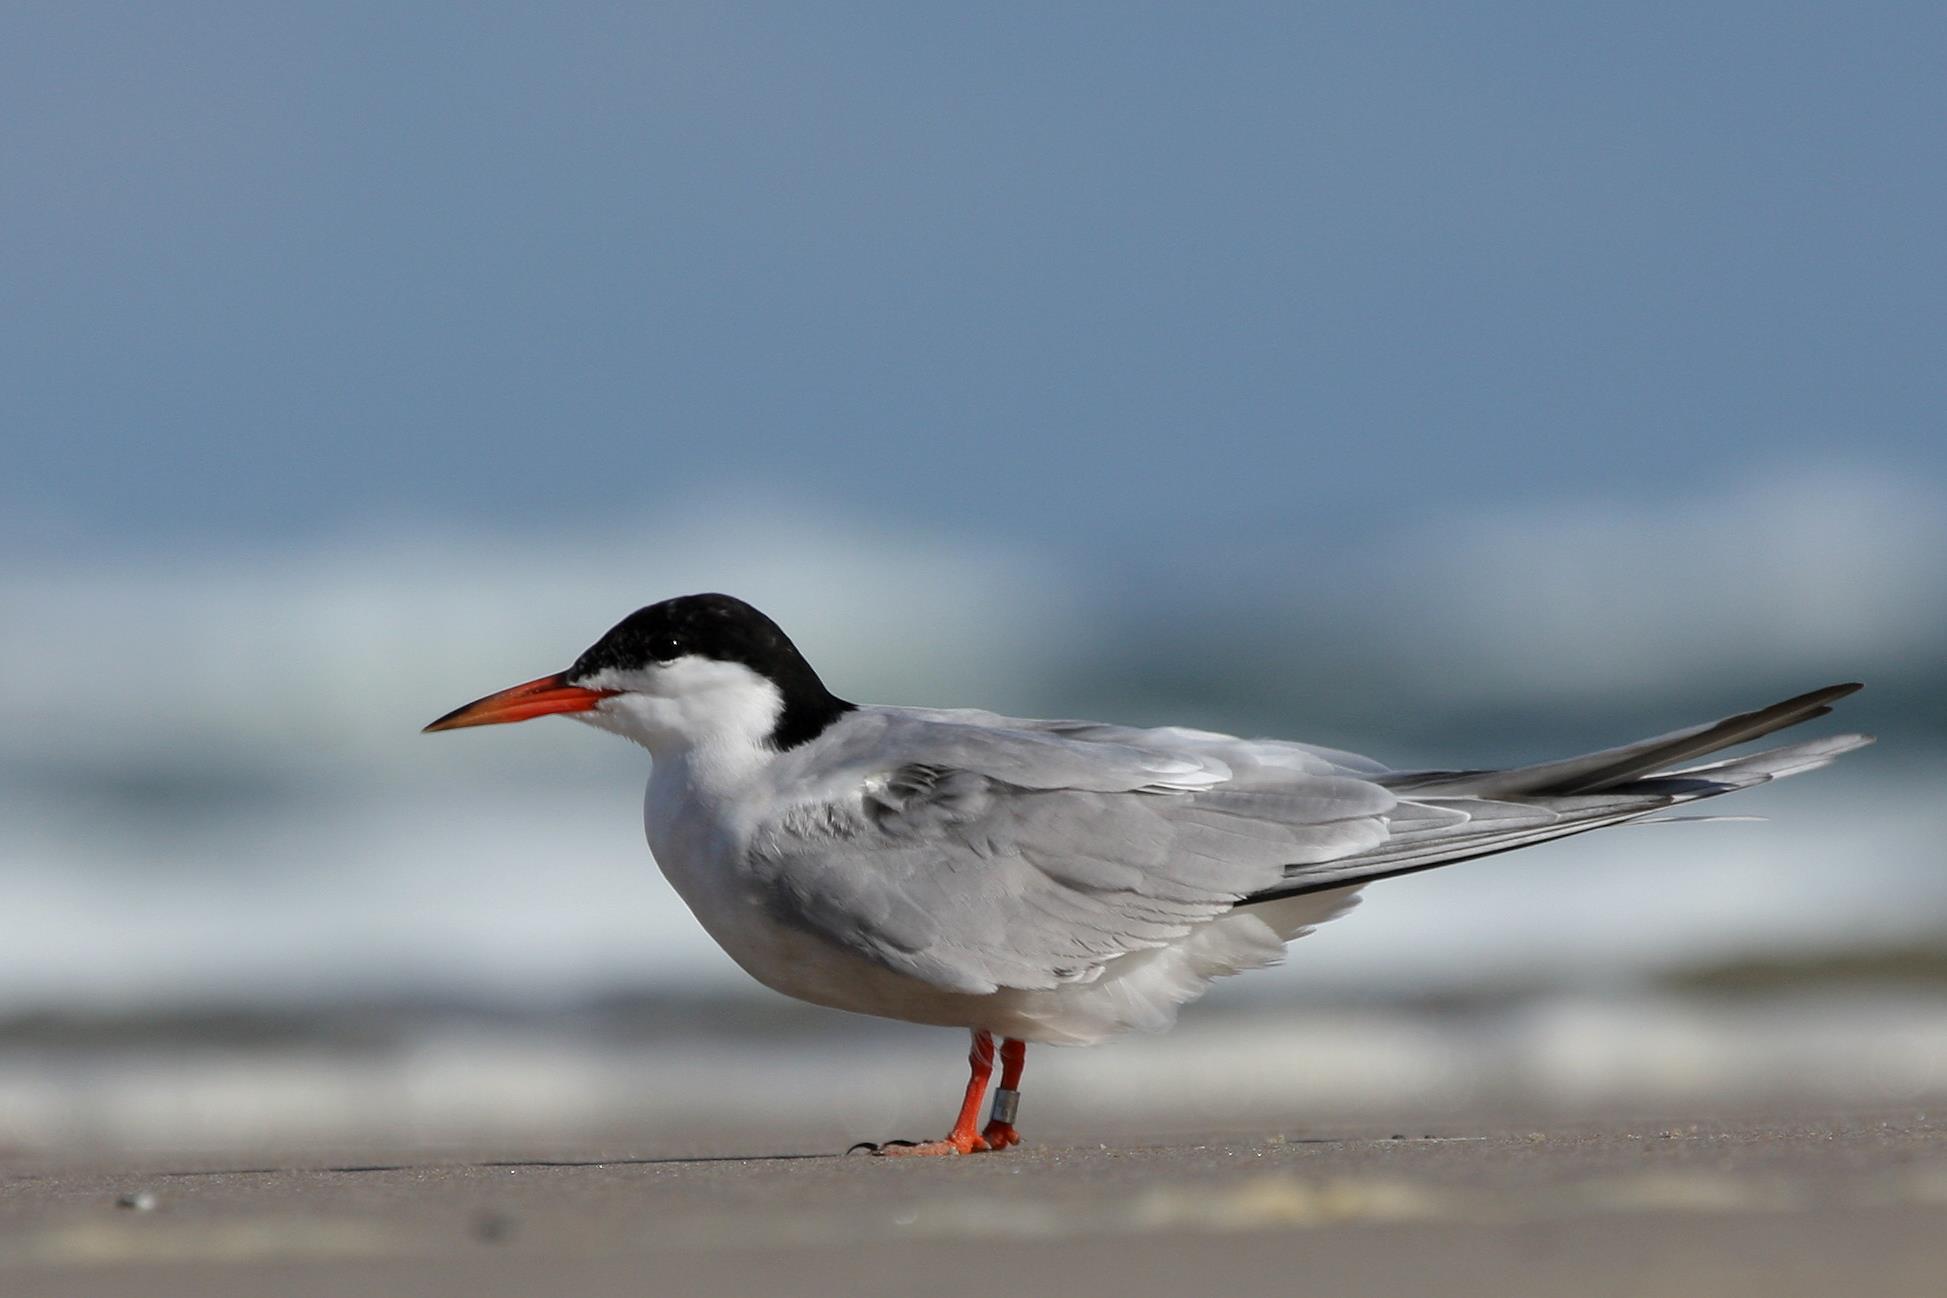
{"x": 699, "y": 842}
{"x": 693, "y": 839}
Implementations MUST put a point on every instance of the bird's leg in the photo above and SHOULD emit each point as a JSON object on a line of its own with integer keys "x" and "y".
{"x": 963, "y": 1139}
{"x": 1000, "y": 1132}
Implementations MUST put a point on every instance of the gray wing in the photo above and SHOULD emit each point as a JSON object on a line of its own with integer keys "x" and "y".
{"x": 976, "y": 852}
{"x": 976, "y": 856}
{"x": 1242, "y": 756}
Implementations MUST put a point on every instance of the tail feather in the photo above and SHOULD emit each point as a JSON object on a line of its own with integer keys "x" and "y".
{"x": 1776, "y": 763}
{"x": 1449, "y": 816}
{"x": 1593, "y": 772}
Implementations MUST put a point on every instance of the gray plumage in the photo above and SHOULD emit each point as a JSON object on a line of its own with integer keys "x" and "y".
{"x": 978, "y": 854}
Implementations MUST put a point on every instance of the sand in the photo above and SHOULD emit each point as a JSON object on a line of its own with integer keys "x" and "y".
{"x": 1759, "y": 1204}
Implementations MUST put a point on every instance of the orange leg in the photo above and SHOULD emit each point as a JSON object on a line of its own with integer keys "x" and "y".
{"x": 1000, "y": 1132}
{"x": 963, "y": 1139}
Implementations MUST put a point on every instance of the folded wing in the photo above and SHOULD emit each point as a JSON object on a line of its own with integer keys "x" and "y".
{"x": 976, "y": 852}
{"x": 983, "y": 857}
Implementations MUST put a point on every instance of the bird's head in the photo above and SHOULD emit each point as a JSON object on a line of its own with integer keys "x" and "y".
{"x": 694, "y": 670}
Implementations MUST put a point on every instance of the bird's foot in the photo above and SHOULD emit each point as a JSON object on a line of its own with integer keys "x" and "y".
{"x": 965, "y": 1138}
{"x": 960, "y": 1142}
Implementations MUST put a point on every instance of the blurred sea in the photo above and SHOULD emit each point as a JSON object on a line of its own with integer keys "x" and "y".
{"x": 212, "y": 788}
{"x": 219, "y": 827}
{"x": 746, "y": 1080}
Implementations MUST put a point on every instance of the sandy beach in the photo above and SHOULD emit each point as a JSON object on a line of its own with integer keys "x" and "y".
{"x": 1771, "y": 1204}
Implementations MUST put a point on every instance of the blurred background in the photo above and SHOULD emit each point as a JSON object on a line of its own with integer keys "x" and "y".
{"x": 1454, "y": 386}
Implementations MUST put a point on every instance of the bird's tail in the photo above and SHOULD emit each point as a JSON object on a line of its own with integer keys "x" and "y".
{"x": 1614, "y": 767}
{"x": 1449, "y": 816}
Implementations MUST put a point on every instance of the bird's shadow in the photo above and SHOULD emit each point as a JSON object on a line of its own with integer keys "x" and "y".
{"x": 665, "y": 1160}
{"x": 363, "y": 1169}
{"x": 674, "y": 1160}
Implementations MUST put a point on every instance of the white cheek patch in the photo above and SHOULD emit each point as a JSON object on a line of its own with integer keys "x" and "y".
{"x": 690, "y": 702}
{"x": 722, "y": 698}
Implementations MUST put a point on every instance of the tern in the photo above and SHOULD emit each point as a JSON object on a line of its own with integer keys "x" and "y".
{"x": 1044, "y": 881}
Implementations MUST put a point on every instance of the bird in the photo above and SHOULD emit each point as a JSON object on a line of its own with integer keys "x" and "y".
{"x": 1038, "y": 881}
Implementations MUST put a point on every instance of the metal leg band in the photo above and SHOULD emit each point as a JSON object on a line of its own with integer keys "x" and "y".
{"x": 1007, "y": 1103}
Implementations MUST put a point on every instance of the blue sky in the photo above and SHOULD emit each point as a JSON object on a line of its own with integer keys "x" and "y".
{"x": 1141, "y": 285}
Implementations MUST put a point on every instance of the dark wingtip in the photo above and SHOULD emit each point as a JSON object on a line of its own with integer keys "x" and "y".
{"x": 1822, "y": 697}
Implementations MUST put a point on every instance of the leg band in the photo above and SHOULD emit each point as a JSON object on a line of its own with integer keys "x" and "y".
{"x": 1006, "y": 1105}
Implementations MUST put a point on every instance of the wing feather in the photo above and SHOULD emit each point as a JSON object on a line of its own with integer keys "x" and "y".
{"x": 977, "y": 857}
{"x": 975, "y": 852}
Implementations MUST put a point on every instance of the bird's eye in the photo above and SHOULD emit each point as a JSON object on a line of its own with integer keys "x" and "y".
{"x": 667, "y": 647}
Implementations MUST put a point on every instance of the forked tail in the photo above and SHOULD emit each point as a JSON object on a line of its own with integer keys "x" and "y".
{"x": 1449, "y": 816}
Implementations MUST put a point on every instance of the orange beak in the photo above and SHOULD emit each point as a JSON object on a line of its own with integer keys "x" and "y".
{"x": 521, "y": 703}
